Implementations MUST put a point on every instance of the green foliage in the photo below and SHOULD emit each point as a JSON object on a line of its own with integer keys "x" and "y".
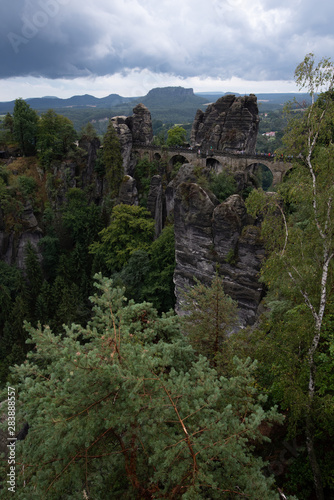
{"x": 56, "y": 137}
{"x": 50, "y": 248}
{"x": 27, "y": 185}
{"x": 88, "y": 132}
{"x": 176, "y": 136}
{"x": 13, "y": 310}
{"x": 34, "y": 275}
{"x": 131, "y": 228}
{"x": 148, "y": 275}
{"x": 143, "y": 174}
{"x": 222, "y": 185}
{"x": 121, "y": 408}
{"x": 210, "y": 315}
{"x": 159, "y": 287}
{"x": 25, "y": 127}
{"x": 298, "y": 229}
{"x": 11, "y": 208}
{"x": 81, "y": 219}
{"x": 11, "y": 284}
{"x": 4, "y": 175}
{"x": 99, "y": 166}
{"x": 7, "y": 130}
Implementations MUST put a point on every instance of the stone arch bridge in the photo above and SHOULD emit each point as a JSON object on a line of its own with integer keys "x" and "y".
{"x": 218, "y": 160}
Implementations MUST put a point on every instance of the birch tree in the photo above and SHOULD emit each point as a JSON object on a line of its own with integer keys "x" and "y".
{"x": 300, "y": 242}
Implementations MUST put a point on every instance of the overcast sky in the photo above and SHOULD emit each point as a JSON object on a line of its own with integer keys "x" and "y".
{"x": 68, "y": 47}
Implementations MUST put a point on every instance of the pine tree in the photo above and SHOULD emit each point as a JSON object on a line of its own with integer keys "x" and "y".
{"x": 210, "y": 315}
{"x": 122, "y": 408}
{"x": 131, "y": 228}
{"x": 25, "y": 127}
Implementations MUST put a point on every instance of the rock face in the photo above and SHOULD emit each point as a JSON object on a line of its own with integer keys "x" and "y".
{"x": 210, "y": 236}
{"x": 128, "y": 194}
{"x": 140, "y": 124}
{"x": 185, "y": 174}
{"x": 156, "y": 203}
{"x": 130, "y": 129}
{"x": 230, "y": 124}
{"x": 12, "y": 245}
{"x": 125, "y": 138}
{"x": 89, "y": 176}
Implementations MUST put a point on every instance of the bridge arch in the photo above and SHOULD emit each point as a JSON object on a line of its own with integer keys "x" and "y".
{"x": 263, "y": 174}
{"x": 177, "y": 158}
{"x": 214, "y": 164}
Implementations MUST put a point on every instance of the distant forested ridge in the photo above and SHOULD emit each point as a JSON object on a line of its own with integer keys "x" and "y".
{"x": 167, "y": 104}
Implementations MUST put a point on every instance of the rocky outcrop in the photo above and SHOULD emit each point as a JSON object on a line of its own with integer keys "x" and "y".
{"x": 156, "y": 203}
{"x": 185, "y": 174}
{"x": 124, "y": 134}
{"x": 140, "y": 124}
{"x": 128, "y": 194}
{"x": 130, "y": 129}
{"x": 230, "y": 124}
{"x": 13, "y": 244}
{"x": 89, "y": 175}
{"x": 210, "y": 236}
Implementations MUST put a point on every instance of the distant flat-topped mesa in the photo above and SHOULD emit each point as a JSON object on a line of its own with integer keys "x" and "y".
{"x": 230, "y": 124}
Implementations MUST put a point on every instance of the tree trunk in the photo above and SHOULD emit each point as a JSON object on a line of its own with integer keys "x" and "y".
{"x": 313, "y": 460}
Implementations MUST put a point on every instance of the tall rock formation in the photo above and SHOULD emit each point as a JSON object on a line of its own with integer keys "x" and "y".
{"x": 230, "y": 124}
{"x": 140, "y": 124}
{"x": 131, "y": 129}
{"x": 13, "y": 244}
{"x": 125, "y": 137}
{"x": 89, "y": 176}
{"x": 128, "y": 194}
{"x": 156, "y": 203}
{"x": 210, "y": 236}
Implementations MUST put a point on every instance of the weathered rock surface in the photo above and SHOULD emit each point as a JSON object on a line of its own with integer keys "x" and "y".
{"x": 130, "y": 129}
{"x": 88, "y": 174}
{"x": 208, "y": 235}
{"x": 124, "y": 134}
{"x": 140, "y": 124}
{"x": 128, "y": 193}
{"x": 185, "y": 174}
{"x": 156, "y": 203}
{"x": 13, "y": 245}
{"x": 230, "y": 124}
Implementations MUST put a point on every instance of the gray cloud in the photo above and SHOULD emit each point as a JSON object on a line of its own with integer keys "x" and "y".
{"x": 217, "y": 38}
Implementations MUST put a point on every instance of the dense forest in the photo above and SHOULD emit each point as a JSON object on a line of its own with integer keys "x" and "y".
{"x": 116, "y": 396}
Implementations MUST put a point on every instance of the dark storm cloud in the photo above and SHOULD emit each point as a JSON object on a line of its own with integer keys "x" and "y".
{"x": 219, "y": 38}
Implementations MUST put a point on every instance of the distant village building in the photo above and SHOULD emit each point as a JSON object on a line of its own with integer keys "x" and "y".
{"x": 269, "y": 134}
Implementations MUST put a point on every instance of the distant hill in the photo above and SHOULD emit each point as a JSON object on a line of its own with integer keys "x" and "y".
{"x": 166, "y": 104}
{"x": 78, "y": 101}
{"x": 172, "y": 96}
{"x": 173, "y": 104}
